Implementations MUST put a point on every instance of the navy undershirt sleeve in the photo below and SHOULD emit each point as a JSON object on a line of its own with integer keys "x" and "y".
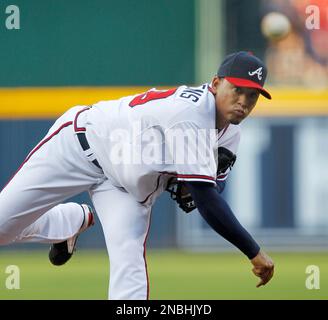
{"x": 219, "y": 216}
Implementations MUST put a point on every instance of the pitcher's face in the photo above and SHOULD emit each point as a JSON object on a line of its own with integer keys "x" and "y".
{"x": 233, "y": 104}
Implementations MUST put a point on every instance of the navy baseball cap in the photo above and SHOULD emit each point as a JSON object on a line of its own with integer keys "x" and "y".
{"x": 243, "y": 69}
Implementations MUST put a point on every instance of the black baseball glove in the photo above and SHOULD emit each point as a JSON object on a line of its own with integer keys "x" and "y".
{"x": 180, "y": 193}
{"x": 226, "y": 159}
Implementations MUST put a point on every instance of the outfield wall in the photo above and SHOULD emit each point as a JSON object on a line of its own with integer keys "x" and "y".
{"x": 98, "y": 42}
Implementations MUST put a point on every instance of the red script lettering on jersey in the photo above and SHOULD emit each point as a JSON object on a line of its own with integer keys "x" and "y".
{"x": 151, "y": 95}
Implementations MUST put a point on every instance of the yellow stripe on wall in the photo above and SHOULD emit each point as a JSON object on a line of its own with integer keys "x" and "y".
{"x": 51, "y": 102}
{"x": 293, "y": 102}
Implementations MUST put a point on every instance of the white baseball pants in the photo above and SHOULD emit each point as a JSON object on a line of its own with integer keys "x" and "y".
{"x": 57, "y": 169}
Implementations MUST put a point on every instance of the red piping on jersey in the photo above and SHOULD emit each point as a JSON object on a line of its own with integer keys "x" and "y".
{"x": 221, "y": 176}
{"x": 38, "y": 147}
{"x": 187, "y": 176}
{"x": 144, "y": 255}
{"x": 197, "y": 176}
{"x": 76, "y": 128}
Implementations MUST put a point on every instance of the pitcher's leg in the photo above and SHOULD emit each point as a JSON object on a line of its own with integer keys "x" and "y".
{"x": 56, "y": 225}
{"x": 27, "y": 197}
{"x": 125, "y": 224}
{"x": 55, "y": 170}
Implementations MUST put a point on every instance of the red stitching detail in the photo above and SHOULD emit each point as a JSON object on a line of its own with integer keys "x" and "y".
{"x": 38, "y": 147}
{"x": 76, "y": 128}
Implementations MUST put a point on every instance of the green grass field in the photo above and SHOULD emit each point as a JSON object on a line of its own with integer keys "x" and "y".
{"x": 173, "y": 275}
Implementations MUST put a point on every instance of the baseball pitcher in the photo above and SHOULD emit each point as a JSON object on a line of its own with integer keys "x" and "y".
{"x": 125, "y": 153}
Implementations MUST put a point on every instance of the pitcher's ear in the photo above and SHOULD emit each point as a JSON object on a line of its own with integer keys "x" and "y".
{"x": 216, "y": 81}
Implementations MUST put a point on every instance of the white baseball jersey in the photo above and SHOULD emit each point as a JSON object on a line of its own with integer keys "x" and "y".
{"x": 141, "y": 141}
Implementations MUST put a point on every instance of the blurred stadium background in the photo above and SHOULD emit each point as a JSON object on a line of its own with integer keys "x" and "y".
{"x": 79, "y": 52}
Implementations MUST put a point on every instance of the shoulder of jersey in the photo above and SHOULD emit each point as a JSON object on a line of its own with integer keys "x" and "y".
{"x": 194, "y": 96}
{"x": 195, "y": 104}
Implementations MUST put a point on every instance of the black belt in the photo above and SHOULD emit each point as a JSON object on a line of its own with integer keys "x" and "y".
{"x": 85, "y": 146}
